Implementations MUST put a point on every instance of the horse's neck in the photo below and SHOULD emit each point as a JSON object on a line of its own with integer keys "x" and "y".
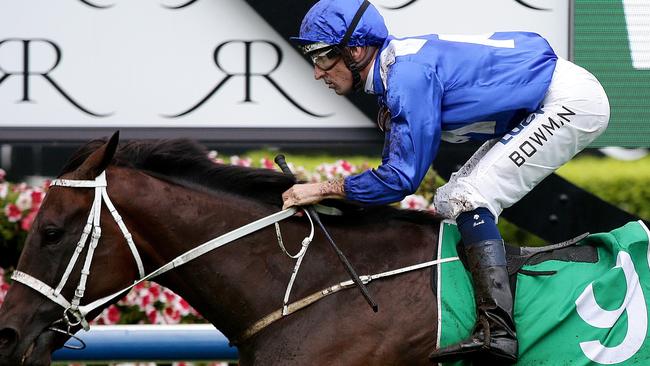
{"x": 238, "y": 284}
{"x": 233, "y": 285}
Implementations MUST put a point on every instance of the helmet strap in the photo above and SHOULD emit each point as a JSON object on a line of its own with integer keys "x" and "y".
{"x": 356, "y": 66}
{"x": 345, "y": 51}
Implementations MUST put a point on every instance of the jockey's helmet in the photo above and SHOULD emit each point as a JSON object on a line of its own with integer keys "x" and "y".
{"x": 331, "y": 26}
{"x": 328, "y": 21}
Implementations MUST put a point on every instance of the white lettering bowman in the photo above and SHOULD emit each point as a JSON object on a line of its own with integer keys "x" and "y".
{"x": 637, "y": 317}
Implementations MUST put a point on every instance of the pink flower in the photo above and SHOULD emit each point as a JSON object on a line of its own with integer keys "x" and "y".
{"x": 3, "y": 175}
{"x": 3, "y": 292}
{"x": 183, "y": 304}
{"x": 414, "y": 202}
{"x": 154, "y": 316}
{"x": 27, "y": 222}
{"x": 13, "y": 213}
{"x": 172, "y": 316}
{"x": 24, "y": 200}
{"x": 267, "y": 163}
{"x": 145, "y": 301}
{"x": 22, "y": 187}
{"x": 346, "y": 167}
{"x": 236, "y": 160}
{"x": 4, "y": 189}
{"x": 113, "y": 314}
{"x": 4, "y": 287}
{"x": 37, "y": 198}
{"x": 154, "y": 290}
{"x": 170, "y": 297}
{"x": 110, "y": 315}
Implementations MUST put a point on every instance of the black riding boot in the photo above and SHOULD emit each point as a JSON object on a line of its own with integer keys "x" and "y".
{"x": 493, "y": 341}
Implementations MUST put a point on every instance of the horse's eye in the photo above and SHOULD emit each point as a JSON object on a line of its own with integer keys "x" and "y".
{"x": 51, "y": 235}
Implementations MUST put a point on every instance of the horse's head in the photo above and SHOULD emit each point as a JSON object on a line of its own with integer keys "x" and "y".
{"x": 27, "y": 334}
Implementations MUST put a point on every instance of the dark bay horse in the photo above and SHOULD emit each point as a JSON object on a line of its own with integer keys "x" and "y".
{"x": 173, "y": 198}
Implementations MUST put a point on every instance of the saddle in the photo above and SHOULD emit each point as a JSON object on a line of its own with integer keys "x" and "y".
{"x": 517, "y": 257}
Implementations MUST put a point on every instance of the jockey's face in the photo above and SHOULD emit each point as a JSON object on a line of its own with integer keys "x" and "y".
{"x": 336, "y": 75}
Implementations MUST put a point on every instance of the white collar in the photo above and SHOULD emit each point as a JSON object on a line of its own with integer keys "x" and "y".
{"x": 370, "y": 84}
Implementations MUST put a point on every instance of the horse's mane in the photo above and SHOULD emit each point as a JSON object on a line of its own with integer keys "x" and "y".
{"x": 186, "y": 162}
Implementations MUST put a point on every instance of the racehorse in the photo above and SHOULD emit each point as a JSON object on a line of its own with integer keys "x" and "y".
{"x": 171, "y": 198}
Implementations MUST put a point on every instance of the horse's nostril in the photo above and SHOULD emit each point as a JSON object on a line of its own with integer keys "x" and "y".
{"x": 8, "y": 337}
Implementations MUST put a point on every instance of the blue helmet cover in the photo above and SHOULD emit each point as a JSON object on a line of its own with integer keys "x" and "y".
{"x": 328, "y": 20}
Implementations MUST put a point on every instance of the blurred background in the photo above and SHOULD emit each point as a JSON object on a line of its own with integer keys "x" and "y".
{"x": 222, "y": 72}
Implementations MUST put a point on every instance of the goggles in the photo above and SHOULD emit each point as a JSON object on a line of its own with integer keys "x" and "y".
{"x": 326, "y": 59}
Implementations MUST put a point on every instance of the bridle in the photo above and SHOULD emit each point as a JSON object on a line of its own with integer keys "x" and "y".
{"x": 74, "y": 313}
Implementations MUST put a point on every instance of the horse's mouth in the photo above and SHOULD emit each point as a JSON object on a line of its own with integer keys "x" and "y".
{"x": 27, "y": 353}
{"x": 39, "y": 351}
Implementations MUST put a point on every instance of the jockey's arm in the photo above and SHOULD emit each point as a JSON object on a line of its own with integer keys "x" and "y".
{"x": 413, "y": 98}
{"x": 310, "y": 193}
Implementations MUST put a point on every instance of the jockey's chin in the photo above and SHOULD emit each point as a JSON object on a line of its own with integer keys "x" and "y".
{"x": 341, "y": 89}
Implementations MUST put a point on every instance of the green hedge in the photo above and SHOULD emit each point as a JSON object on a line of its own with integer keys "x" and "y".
{"x": 625, "y": 184}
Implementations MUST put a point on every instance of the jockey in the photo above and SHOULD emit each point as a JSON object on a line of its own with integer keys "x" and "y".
{"x": 534, "y": 111}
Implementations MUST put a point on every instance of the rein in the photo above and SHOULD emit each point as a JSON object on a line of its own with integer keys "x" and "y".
{"x": 75, "y": 314}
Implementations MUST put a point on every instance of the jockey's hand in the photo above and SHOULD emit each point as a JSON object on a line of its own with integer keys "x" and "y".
{"x": 311, "y": 193}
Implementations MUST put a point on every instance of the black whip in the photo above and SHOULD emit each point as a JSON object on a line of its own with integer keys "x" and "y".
{"x": 279, "y": 159}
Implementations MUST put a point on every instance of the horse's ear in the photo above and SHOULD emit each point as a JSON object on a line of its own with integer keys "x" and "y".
{"x": 99, "y": 160}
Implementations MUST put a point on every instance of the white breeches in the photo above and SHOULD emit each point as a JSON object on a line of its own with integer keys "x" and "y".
{"x": 575, "y": 111}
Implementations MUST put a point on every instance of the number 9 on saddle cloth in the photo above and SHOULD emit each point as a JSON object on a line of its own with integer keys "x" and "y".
{"x": 581, "y": 302}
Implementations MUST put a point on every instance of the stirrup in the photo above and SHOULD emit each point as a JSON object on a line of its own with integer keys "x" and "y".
{"x": 477, "y": 347}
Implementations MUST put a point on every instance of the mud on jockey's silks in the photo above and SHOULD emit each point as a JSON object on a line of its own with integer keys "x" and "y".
{"x": 567, "y": 311}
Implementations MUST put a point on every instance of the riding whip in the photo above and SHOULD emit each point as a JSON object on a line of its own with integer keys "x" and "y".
{"x": 279, "y": 159}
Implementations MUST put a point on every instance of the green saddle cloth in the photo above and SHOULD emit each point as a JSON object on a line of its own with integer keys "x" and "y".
{"x": 585, "y": 314}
